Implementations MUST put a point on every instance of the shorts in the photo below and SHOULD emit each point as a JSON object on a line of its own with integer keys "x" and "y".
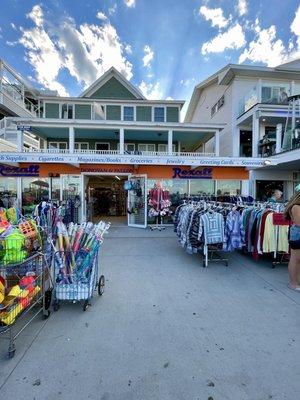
{"x": 294, "y": 237}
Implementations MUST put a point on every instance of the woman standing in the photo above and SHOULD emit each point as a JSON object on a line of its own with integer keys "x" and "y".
{"x": 292, "y": 212}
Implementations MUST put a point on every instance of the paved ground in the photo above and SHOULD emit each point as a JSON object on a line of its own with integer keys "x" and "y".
{"x": 166, "y": 329}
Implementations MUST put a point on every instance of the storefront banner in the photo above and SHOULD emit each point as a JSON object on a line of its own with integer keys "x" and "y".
{"x": 203, "y": 173}
{"x": 107, "y": 169}
{"x": 135, "y": 160}
{"x": 10, "y": 171}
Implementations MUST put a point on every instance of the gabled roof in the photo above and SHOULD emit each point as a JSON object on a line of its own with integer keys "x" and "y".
{"x": 112, "y": 72}
{"x": 290, "y": 65}
{"x": 224, "y": 76}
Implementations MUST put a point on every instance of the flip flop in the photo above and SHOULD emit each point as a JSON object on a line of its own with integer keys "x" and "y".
{"x": 296, "y": 289}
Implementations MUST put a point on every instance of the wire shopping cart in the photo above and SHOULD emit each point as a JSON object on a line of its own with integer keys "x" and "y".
{"x": 23, "y": 296}
{"x": 76, "y": 277}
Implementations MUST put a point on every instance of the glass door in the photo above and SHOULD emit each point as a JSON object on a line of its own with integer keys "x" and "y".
{"x": 137, "y": 201}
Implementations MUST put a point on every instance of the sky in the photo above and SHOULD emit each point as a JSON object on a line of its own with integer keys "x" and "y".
{"x": 164, "y": 47}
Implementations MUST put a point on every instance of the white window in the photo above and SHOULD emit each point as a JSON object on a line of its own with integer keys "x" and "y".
{"x": 159, "y": 114}
{"x": 58, "y": 145}
{"x": 146, "y": 147}
{"x": 164, "y": 148}
{"x": 128, "y": 113}
{"x": 99, "y": 111}
{"x": 216, "y": 107}
{"x": 102, "y": 146}
{"x": 67, "y": 111}
{"x": 81, "y": 146}
{"x": 129, "y": 147}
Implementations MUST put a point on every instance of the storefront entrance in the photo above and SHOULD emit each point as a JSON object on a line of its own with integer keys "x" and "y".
{"x": 264, "y": 189}
{"x": 106, "y": 198}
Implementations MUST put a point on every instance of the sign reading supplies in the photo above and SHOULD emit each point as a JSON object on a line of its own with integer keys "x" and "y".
{"x": 9, "y": 171}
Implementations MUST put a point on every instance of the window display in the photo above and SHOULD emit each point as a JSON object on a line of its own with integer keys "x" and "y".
{"x": 202, "y": 187}
{"x": 34, "y": 190}
{"x": 228, "y": 187}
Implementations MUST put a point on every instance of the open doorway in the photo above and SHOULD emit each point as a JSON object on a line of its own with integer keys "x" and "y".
{"x": 264, "y": 189}
{"x": 106, "y": 199}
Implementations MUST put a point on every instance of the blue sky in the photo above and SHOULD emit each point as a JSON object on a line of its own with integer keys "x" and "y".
{"x": 164, "y": 47}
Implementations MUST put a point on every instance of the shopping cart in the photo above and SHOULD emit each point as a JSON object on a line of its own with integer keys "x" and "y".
{"x": 23, "y": 296}
{"x": 76, "y": 276}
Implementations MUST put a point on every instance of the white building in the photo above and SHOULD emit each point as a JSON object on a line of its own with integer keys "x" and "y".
{"x": 253, "y": 103}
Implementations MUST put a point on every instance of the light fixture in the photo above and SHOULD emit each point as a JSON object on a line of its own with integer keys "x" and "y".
{"x": 264, "y": 119}
{"x": 297, "y": 121}
{"x": 117, "y": 177}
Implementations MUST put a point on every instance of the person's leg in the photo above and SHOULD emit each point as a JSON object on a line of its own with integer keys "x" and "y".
{"x": 294, "y": 268}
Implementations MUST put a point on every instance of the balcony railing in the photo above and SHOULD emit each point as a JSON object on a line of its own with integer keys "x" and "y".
{"x": 16, "y": 93}
{"x": 117, "y": 152}
{"x": 268, "y": 93}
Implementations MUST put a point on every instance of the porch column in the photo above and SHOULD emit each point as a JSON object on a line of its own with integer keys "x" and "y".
{"x": 20, "y": 141}
{"x": 71, "y": 139}
{"x": 121, "y": 140}
{"x": 170, "y": 143}
{"x": 255, "y": 134}
{"x": 235, "y": 141}
{"x": 278, "y": 138}
{"x": 217, "y": 144}
{"x": 259, "y": 90}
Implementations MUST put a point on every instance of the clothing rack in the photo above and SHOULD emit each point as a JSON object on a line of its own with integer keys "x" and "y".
{"x": 239, "y": 208}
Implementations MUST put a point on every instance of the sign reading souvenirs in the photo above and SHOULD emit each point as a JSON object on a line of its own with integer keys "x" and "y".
{"x": 203, "y": 173}
{"x": 134, "y": 159}
{"x": 8, "y": 170}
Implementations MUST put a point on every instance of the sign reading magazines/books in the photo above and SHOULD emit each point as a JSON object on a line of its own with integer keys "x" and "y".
{"x": 133, "y": 159}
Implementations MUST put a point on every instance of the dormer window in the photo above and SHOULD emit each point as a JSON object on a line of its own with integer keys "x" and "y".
{"x": 128, "y": 113}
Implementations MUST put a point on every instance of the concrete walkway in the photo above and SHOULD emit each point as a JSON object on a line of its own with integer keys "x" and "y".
{"x": 166, "y": 329}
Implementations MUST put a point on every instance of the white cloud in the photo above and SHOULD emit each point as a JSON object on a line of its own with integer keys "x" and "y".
{"x": 100, "y": 15}
{"x": 148, "y": 56}
{"x": 295, "y": 26}
{"x": 86, "y": 52}
{"x": 242, "y": 7}
{"x": 12, "y": 44}
{"x": 233, "y": 38}
{"x": 187, "y": 82}
{"x": 215, "y": 15}
{"x": 112, "y": 9}
{"x": 130, "y": 3}
{"x": 128, "y": 49}
{"x": 265, "y": 47}
{"x": 13, "y": 26}
{"x": 36, "y": 14}
{"x": 151, "y": 91}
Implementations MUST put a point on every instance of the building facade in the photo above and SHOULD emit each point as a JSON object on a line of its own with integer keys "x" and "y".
{"x": 253, "y": 103}
{"x": 85, "y": 146}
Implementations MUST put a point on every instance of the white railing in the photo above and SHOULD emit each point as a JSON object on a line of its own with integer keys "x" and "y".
{"x": 48, "y": 151}
{"x": 15, "y": 93}
{"x": 97, "y": 151}
{"x": 117, "y": 152}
